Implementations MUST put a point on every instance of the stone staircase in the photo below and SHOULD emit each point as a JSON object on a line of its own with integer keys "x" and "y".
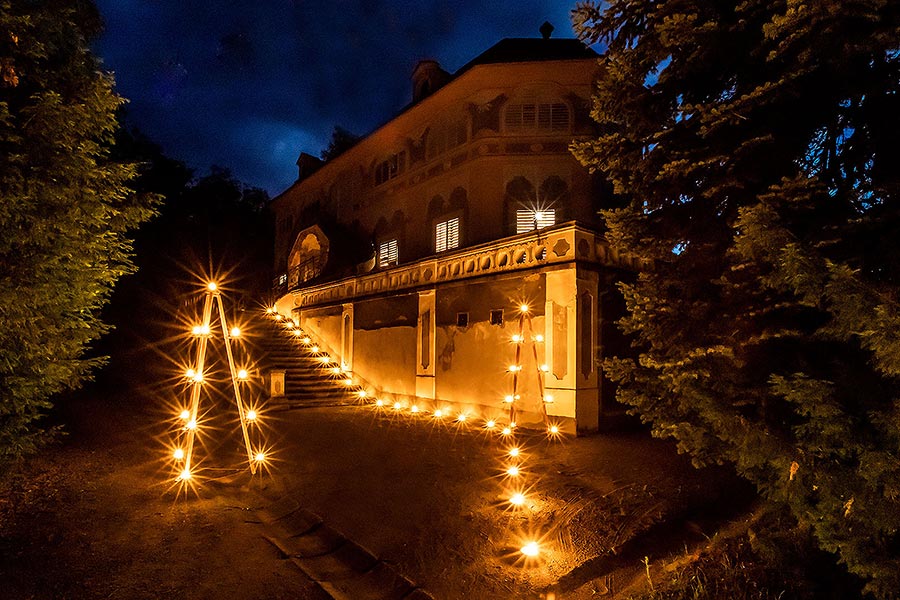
{"x": 308, "y": 381}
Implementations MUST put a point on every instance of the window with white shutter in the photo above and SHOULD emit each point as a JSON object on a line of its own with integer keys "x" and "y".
{"x": 388, "y": 253}
{"x": 446, "y": 235}
{"x": 528, "y": 219}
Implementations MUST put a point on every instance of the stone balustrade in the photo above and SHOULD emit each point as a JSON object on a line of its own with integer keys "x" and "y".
{"x": 567, "y": 242}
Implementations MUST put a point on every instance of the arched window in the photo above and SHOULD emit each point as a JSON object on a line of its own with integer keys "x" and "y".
{"x": 447, "y": 218}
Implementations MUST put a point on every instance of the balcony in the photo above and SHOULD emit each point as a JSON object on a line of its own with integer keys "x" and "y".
{"x": 564, "y": 243}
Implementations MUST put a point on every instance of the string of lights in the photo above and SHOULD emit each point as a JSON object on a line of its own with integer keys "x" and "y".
{"x": 512, "y": 454}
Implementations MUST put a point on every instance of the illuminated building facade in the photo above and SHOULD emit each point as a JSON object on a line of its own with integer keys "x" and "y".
{"x": 409, "y": 255}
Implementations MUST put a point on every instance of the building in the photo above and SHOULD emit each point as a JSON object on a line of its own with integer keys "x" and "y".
{"x": 409, "y": 255}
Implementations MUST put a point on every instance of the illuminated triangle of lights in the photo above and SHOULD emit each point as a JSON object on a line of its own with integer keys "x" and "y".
{"x": 519, "y": 340}
{"x": 189, "y": 432}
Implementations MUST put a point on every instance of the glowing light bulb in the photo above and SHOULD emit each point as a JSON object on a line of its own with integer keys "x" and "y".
{"x": 242, "y": 374}
{"x": 531, "y": 549}
{"x": 336, "y": 370}
{"x": 192, "y": 424}
{"x": 517, "y": 499}
{"x": 305, "y": 340}
{"x": 414, "y": 409}
{"x": 278, "y": 316}
{"x": 289, "y": 324}
{"x": 516, "y": 338}
{"x": 235, "y": 332}
{"x": 553, "y": 430}
{"x": 514, "y": 452}
{"x": 178, "y": 454}
{"x": 204, "y": 329}
{"x": 196, "y": 330}
{"x": 512, "y": 425}
{"x": 379, "y": 402}
{"x": 269, "y": 310}
{"x": 523, "y": 308}
{"x": 198, "y": 377}
{"x": 490, "y": 424}
{"x": 508, "y": 399}
{"x": 211, "y": 286}
{"x": 514, "y": 368}
{"x": 548, "y": 398}
{"x": 438, "y": 413}
{"x": 260, "y": 457}
{"x": 348, "y": 381}
{"x": 363, "y": 394}
{"x": 251, "y": 415}
{"x": 506, "y": 431}
{"x": 539, "y": 338}
{"x": 189, "y": 373}
{"x": 397, "y": 406}
{"x": 325, "y": 359}
{"x": 513, "y": 471}
{"x": 545, "y": 368}
{"x": 462, "y": 417}
{"x": 185, "y": 415}
{"x": 185, "y": 475}
{"x": 297, "y": 333}
{"x": 314, "y": 349}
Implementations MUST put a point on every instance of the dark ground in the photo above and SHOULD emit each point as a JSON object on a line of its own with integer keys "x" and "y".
{"x": 97, "y": 517}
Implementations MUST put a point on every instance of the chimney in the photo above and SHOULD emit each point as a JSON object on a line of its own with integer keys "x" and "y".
{"x": 307, "y": 164}
{"x": 427, "y": 77}
{"x": 546, "y": 30}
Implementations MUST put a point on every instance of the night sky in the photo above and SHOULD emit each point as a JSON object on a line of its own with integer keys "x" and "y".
{"x": 248, "y": 85}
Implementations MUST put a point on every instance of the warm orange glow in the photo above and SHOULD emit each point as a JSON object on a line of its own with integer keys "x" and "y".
{"x": 512, "y": 425}
{"x": 198, "y": 377}
{"x": 363, "y": 394}
{"x": 506, "y": 431}
{"x": 325, "y": 359}
{"x": 516, "y": 338}
{"x": 553, "y": 430}
{"x": 192, "y": 424}
{"x": 260, "y": 457}
{"x": 185, "y": 415}
{"x": 438, "y": 413}
{"x": 242, "y": 374}
{"x": 414, "y": 408}
{"x": 379, "y": 402}
{"x": 513, "y": 471}
{"x": 545, "y": 368}
{"x": 523, "y": 308}
{"x": 189, "y": 373}
{"x": 514, "y": 452}
{"x": 185, "y": 475}
{"x": 298, "y": 333}
{"x": 508, "y": 399}
{"x": 235, "y": 332}
{"x": 348, "y": 381}
{"x": 251, "y": 415}
{"x": 531, "y": 549}
{"x": 196, "y": 330}
{"x": 204, "y": 329}
{"x": 278, "y": 316}
{"x": 269, "y": 310}
{"x": 306, "y": 340}
{"x": 314, "y": 349}
{"x": 490, "y": 424}
{"x": 289, "y": 324}
{"x": 211, "y": 286}
{"x": 336, "y": 370}
{"x": 539, "y": 338}
{"x": 515, "y": 368}
{"x": 178, "y": 454}
{"x": 462, "y": 417}
{"x": 397, "y": 406}
{"x": 517, "y": 499}
{"x": 548, "y": 398}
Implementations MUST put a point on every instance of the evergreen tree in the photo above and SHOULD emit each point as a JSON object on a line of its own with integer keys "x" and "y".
{"x": 756, "y": 144}
{"x": 65, "y": 208}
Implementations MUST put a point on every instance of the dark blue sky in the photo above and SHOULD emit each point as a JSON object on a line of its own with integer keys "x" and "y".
{"x": 247, "y": 85}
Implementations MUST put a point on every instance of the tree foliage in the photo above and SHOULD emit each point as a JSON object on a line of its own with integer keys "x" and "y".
{"x": 65, "y": 208}
{"x": 756, "y": 145}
